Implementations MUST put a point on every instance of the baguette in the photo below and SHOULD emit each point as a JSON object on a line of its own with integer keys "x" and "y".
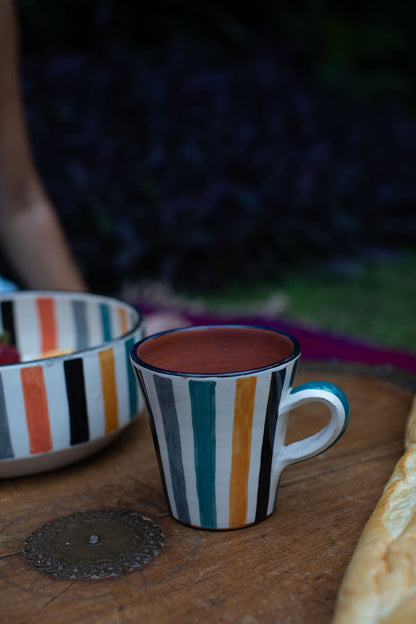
{"x": 379, "y": 586}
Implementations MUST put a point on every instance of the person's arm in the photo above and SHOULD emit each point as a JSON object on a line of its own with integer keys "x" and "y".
{"x": 30, "y": 233}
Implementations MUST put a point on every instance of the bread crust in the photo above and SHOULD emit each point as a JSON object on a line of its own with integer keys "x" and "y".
{"x": 379, "y": 586}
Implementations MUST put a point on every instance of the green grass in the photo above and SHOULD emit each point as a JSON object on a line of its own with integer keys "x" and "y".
{"x": 377, "y": 303}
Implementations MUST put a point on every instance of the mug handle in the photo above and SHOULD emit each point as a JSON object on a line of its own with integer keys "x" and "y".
{"x": 335, "y": 399}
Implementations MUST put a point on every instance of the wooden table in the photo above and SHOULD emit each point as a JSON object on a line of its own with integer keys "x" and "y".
{"x": 287, "y": 569}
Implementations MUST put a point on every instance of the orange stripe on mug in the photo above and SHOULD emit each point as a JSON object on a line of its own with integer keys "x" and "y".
{"x": 108, "y": 383}
{"x": 47, "y": 323}
{"x": 36, "y": 407}
{"x": 240, "y": 465}
{"x": 123, "y": 320}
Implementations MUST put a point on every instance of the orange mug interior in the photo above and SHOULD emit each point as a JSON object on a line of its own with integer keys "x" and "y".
{"x": 215, "y": 350}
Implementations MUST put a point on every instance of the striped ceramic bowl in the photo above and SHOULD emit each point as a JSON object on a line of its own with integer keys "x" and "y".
{"x": 74, "y": 389}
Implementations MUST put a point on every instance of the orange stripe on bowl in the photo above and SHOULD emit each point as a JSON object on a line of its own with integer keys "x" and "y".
{"x": 36, "y": 407}
{"x": 240, "y": 465}
{"x": 47, "y": 323}
{"x": 109, "y": 388}
{"x": 123, "y": 320}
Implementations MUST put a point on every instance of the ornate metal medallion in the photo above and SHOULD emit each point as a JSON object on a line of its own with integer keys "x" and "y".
{"x": 94, "y": 544}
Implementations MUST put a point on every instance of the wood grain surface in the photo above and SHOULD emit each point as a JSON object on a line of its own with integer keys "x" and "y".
{"x": 286, "y": 569}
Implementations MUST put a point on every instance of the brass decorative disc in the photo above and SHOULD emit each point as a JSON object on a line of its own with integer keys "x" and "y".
{"x": 94, "y": 544}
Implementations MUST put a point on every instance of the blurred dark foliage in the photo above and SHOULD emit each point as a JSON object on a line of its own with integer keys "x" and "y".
{"x": 198, "y": 144}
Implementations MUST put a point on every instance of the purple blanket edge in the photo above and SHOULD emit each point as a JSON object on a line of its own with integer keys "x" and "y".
{"x": 316, "y": 343}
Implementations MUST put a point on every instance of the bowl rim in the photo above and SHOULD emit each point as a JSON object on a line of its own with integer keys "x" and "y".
{"x": 71, "y": 294}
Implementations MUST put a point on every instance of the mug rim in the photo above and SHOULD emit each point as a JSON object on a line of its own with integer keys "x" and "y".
{"x": 166, "y": 371}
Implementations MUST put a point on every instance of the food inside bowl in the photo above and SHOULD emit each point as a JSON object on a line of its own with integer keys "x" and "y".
{"x": 8, "y": 352}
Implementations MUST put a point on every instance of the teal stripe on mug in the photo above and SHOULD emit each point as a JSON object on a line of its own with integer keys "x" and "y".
{"x": 202, "y": 395}
{"x": 164, "y": 390}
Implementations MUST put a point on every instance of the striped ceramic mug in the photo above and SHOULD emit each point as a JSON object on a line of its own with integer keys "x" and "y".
{"x": 218, "y": 398}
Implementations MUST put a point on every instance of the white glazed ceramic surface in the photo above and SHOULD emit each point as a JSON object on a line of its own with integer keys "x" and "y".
{"x": 218, "y": 399}
{"x": 58, "y": 410}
